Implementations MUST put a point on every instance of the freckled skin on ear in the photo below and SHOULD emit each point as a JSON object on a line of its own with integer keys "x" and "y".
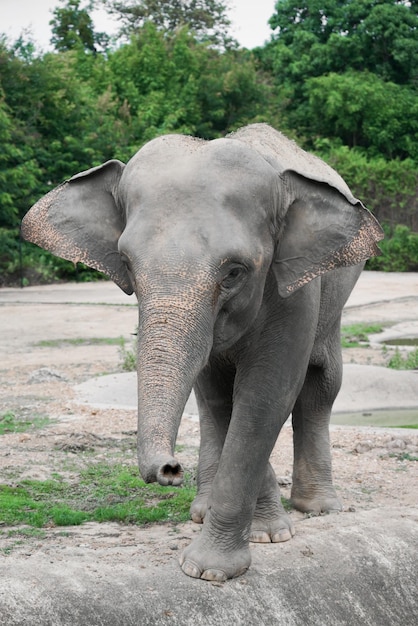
{"x": 242, "y": 252}
{"x": 79, "y": 221}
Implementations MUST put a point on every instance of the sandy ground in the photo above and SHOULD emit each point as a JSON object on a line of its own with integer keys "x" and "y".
{"x": 374, "y": 470}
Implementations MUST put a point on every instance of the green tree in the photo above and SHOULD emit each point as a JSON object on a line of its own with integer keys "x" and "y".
{"x": 172, "y": 83}
{"x": 73, "y": 27}
{"x": 319, "y": 36}
{"x": 347, "y": 70}
{"x": 207, "y": 19}
{"x": 66, "y": 109}
{"x": 232, "y": 93}
{"x": 155, "y": 76}
{"x": 363, "y": 110}
{"x": 18, "y": 170}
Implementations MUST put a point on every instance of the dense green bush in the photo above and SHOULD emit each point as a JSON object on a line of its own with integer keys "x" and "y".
{"x": 399, "y": 251}
{"x": 387, "y": 188}
{"x": 22, "y": 263}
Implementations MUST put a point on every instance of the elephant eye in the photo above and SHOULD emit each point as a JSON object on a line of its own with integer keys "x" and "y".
{"x": 234, "y": 276}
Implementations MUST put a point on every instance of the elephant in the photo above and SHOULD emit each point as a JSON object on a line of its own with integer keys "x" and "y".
{"x": 242, "y": 252}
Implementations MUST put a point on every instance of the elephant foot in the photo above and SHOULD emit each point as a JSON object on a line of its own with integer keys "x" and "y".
{"x": 322, "y": 502}
{"x": 271, "y": 523}
{"x": 273, "y": 527}
{"x": 202, "y": 559}
{"x": 198, "y": 508}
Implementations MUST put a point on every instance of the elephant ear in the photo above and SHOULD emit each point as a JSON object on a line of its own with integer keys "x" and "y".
{"x": 80, "y": 221}
{"x": 321, "y": 231}
{"x": 320, "y": 225}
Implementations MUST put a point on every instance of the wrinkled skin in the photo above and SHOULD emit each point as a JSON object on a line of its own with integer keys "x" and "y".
{"x": 242, "y": 252}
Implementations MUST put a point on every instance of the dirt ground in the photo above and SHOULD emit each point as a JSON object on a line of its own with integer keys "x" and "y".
{"x": 357, "y": 567}
{"x": 373, "y": 467}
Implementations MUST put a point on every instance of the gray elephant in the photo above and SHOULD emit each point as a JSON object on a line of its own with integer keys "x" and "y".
{"x": 242, "y": 252}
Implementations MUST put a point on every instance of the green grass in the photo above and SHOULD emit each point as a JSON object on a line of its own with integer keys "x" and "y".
{"x": 357, "y": 335}
{"x": 404, "y": 456}
{"x": 80, "y": 341}
{"x": 128, "y": 358}
{"x": 102, "y": 493}
{"x": 287, "y": 505}
{"x": 10, "y": 423}
{"x": 27, "y": 532}
{"x": 408, "y": 362}
{"x": 19, "y": 536}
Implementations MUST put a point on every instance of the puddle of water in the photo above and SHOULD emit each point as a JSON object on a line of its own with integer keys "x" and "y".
{"x": 402, "y": 341}
{"x": 396, "y": 418}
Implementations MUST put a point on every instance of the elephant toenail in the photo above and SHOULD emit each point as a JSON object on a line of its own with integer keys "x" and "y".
{"x": 216, "y": 575}
{"x": 190, "y": 568}
{"x": 282, "y": 535}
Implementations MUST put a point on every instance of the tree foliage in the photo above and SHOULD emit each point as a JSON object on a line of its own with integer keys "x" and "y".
{"x": 73, "y": 27}
{"x": 363, "y": 110}
{"x": 348, "y": 69}
{"x": 388, "y": 187}
{"x": 207, "y": 19}
{"x": 340, "y": 76}
{"x": 315, "y": 37}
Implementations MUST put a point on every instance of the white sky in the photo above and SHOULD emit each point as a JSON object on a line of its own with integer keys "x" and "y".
{"x": 249, "y": 20}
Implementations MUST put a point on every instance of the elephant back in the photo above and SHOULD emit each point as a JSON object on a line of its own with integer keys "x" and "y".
{"x": 283, "y": 154}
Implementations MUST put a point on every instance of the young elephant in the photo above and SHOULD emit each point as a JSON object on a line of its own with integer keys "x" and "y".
{"x": 242, "y": 252}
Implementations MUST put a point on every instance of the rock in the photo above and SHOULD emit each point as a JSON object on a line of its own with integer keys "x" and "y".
{"x": 396, "y": 444}
{"x": 363, "y": 446}
{"x": 284, "y": 481}
{"x": 359, "y": 571}
{"x": 44, "y": 374}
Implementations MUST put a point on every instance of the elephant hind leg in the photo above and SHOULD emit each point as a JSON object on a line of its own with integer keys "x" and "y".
{"x": 271, "y": 523}
{"x": 312, "y": 487}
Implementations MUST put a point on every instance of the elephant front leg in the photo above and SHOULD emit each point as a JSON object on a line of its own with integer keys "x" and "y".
{"x": 270, "y": 523}
{"x": 222, "y": 549}
{"x": 266, "y": 385}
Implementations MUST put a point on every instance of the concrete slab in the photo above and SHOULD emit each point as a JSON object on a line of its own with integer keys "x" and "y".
{"x": 355, "y": 575}
{"x": 364, "y": 388}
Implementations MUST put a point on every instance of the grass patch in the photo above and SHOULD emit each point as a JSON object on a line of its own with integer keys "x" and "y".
{"x": 357, "y": 335}
{"x": 10, "y": 423}
{"x": 287, "y": 505}
{"x": 404, "y": 456}
{"x": 128, "y": 357}
{"x": 408, "y": 362}
{"x": 80, "y": 341}
{"x": 102, "y": 493}
{"x": 36, "y": 533}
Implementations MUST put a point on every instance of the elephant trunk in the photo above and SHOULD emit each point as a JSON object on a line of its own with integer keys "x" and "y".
{"x": 174, "y": 342}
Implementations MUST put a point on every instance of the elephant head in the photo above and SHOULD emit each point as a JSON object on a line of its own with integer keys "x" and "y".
{"x": 198, "y": 229}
